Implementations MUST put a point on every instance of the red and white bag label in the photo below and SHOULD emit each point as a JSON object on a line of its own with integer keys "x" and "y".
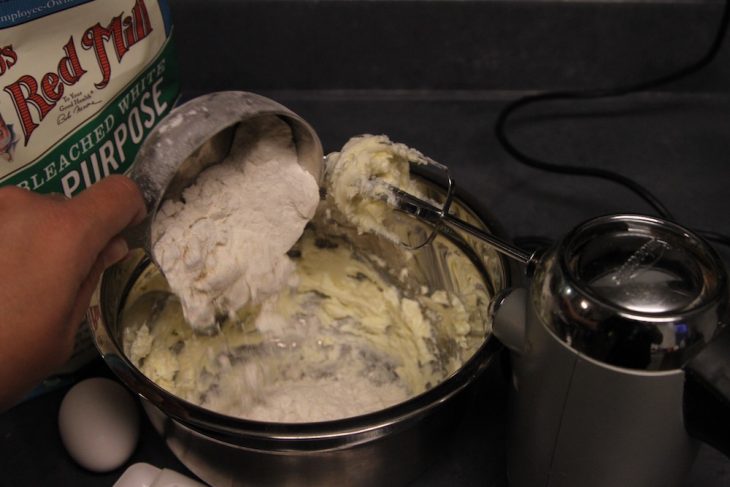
{"x": 81, "y": 85}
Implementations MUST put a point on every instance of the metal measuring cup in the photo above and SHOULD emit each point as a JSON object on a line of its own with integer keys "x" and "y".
{"x": 199, "y": 134}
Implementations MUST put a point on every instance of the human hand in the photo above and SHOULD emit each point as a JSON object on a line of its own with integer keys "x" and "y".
{"x": 52, "y": 253}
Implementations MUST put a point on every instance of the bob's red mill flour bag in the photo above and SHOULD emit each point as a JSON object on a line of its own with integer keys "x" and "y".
{"x": 81, "y": 85}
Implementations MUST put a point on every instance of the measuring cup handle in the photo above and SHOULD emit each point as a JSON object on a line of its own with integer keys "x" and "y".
{"x": 137, "y": 236}
{"x": 707, "y": 393}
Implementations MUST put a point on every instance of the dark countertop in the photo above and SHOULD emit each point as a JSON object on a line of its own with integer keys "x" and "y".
{"x": 681, "y": 138}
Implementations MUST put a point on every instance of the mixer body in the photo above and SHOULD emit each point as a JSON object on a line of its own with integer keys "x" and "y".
{"x": 577, "y": 422}
{"x": 601, "y": 341}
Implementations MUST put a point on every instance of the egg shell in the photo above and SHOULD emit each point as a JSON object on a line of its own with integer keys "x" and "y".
{"x": 99, "y": 424}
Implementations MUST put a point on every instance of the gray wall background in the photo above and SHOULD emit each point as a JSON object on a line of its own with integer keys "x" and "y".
{"x": 442, "y": 45}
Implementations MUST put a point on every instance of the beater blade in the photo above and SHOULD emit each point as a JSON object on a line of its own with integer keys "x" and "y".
{"x": 437, "y": 214}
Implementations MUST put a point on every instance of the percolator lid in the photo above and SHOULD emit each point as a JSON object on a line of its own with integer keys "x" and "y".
{"x": 642, "y": 265}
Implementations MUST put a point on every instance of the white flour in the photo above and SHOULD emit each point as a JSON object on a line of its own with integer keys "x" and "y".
{"x": 225, "y": 244}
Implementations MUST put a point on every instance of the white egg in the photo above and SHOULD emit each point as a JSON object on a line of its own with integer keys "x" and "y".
{"x": 99, "y": 424}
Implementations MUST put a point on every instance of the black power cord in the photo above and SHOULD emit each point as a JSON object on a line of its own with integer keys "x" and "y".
{"x": 609, "y": 92}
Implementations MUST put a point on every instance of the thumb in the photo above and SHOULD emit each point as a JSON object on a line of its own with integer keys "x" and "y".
{"x": 108, "y": 207}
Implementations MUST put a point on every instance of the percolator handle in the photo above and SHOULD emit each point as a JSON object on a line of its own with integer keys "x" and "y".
{"x": 707, "y": 393}
{"x": 508, "y": 318}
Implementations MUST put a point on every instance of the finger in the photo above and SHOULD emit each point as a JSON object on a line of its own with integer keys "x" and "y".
{"x": 115, "y": 251}
{"x": 59, "y": 197}
{"x": 107, "y": 208}
{"x": 86, "y": 290}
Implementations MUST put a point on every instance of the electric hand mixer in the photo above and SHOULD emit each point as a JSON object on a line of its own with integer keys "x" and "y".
{"x": 620, "y": 349}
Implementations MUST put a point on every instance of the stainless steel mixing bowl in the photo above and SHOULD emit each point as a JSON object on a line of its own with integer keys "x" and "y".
{"x": 386, "y": 447}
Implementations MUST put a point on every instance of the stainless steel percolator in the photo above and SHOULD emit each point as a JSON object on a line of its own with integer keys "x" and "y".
{"x": 620, "y": 350}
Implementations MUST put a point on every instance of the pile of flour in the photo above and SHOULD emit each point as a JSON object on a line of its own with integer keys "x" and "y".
{"x": 224, "y": 244}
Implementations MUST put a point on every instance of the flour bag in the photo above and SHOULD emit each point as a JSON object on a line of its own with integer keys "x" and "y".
{"x": 81, "y": 85}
